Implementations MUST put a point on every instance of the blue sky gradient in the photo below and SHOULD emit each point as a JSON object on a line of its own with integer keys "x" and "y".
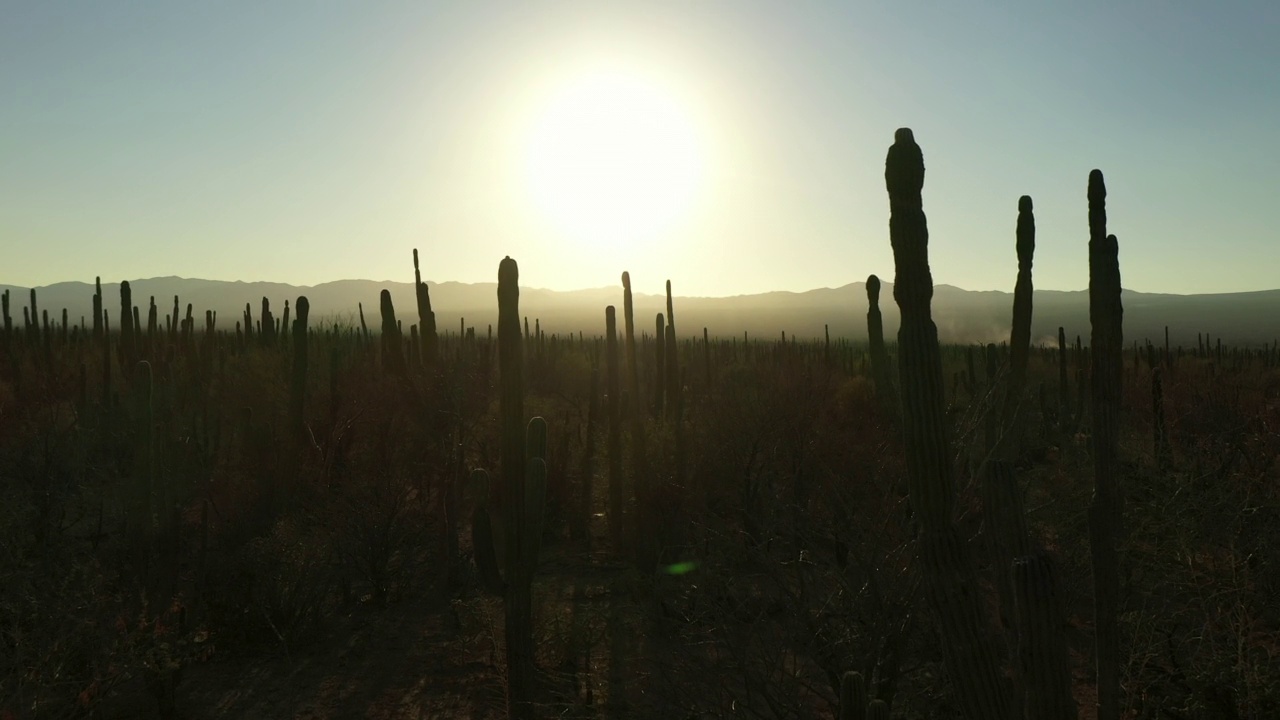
{"x": 304, "y": 142}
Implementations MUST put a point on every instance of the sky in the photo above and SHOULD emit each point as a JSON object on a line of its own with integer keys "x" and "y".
{"x": 303, "y": 142}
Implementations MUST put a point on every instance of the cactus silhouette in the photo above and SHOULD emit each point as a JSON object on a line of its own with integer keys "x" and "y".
{"x": 950, "y": 579}
{"x": 1106, "y": 510}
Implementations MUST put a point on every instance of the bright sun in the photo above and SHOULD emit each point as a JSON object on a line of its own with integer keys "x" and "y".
{"x": 613, "y": 158}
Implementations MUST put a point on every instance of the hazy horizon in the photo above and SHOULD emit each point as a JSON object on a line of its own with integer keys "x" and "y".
{"x": 733, "y": 148}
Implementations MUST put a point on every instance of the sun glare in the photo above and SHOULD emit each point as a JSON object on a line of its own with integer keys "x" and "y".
{"x": 613, "y": 158}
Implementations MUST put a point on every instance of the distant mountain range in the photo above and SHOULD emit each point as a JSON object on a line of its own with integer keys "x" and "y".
{"x": 1248, "y": 318}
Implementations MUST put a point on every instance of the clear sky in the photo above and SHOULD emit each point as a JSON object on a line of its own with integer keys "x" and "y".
{"x": 303, "y": 141}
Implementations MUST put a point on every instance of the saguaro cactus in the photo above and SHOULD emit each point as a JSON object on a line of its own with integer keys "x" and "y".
{"x": 639, "y": 454}
{"x": 392, "y": 354}
{"x": 1020, "y": 335}
{"x": 660, "y": 365}
{"x": 426, "y": 317}
{"x": 517, "y": 597}
{"x": 298, "y": 384}
{"x": 617, "y": 497}
{"x": 875, "y": 337}
{"x": 672, "y": 374}
{"x": 1106, "y": 510}
{"x": 126, "y": 324}
{"x": 97, "y": 308}
{"x": 1043, "y": 663}
{"x": 951, "y": 581}
{"x": 853, "y": 697}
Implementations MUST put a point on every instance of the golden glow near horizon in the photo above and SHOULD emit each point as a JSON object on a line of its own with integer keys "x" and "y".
{"x": 613, "y": 157}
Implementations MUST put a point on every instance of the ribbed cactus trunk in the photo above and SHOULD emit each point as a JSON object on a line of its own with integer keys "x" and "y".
{"x": 617, "y": 497}
{"x": 517, "y": 595}
{"x": 426, "y": 317}
{"x": 1106, "y": 510}
{"x": 951, "y": 582}
{"x": 1006, "y": 528}
{"x": 298, "y": 384}
{"x": 126, "y": 324}
{"x": 1020, "y": 333}
{"x": 97, "y": 309}
{"x": 1043, "y": 664}
{"x": 875, "y": 337}
{"x": 392, "y": 353}
{"x": 672, "y": 373}
{"x": 660, "y": 365}
{"x": 639, "y": 453}
{"x": 853, "y": 697}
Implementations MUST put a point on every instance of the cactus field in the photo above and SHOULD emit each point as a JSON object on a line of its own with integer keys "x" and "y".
{"x": 281, "y": 515}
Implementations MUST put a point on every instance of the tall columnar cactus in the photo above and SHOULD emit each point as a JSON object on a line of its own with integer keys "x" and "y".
{"x": 298, "y": 379}
{"x": 875, "y": 337}
{"x": 1106, "y": 510}
{"x": 853, "y": 697}
{"x": 617, "y": 496}
{"x": 392, "y": 353}
{"x": 518, "y": 591}
{"x": 173, "y": 328}
{"x": 672, "y": 373}
{"x": 97, "y": 309}
{"x": 1043, "y": 664}
{"x": 1020, "y": 334}
{"x": 8, "y": 321}
{"x": 639, "y": 454}
{"x": 1006, "y": 529}
{"x": 426, "y": 317}
{"x": 951, "y": 582}
{"x": 126, "y": 325}
{"x": 660, "y": 365}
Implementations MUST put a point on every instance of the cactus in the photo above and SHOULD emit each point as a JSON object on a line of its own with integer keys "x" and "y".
{"x": 1020, "y": 334}
{"x": 97, "y": 309}
{"x": 1064, "y": 392}
{"x": 879, "y": 355}
{"x": 1006, "y": 528}
{"x": 877, "y": 710}
{"x": 126, "y": 324}
{"x": 617, "y": 497}
{"x": 298, "y": 381}
{"x": 853, "y": 697}
{"x": 1044, "y": 666}
{"x": 517, "y": 597}
{"x": 639, "y": 455}
{"x": 392, "y": 354}
{"x": 672, "y": 372}
{"x": 660, "y": 366}
{"x": 951, "y": 583}
{"x": 426, "y": 317}
{"x": 1106, "y": 509}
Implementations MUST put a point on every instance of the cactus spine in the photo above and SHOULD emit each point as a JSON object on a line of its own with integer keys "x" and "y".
{"x": 950, "y": 579}
{"x": 1106, "y": 510}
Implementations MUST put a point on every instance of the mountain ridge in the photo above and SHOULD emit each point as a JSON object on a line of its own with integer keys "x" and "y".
{"x": 1246, "y": 318}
